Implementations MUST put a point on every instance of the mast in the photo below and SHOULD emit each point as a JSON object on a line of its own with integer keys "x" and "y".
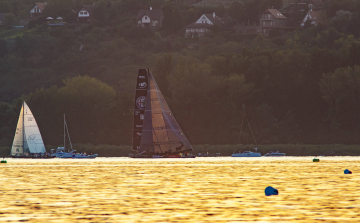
{"x": 64, "y": 132}
{"x": 23, "y": 127}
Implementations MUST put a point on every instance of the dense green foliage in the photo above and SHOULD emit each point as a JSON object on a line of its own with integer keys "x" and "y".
{"x": 302, "y": 87}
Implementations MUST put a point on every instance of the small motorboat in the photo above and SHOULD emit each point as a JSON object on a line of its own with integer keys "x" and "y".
{"x": 271, "y": 153}
{"x": 84, "y": 156}
{"x": 245, "y": 154}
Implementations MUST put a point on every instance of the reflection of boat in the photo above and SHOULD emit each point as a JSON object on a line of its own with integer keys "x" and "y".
{"x": 28, "y": 142}
{"x": 245, "y": 154}
{"x": 60, "y": 151}
{"x": 271, "y": 153}
{"x": 156, "y": 133}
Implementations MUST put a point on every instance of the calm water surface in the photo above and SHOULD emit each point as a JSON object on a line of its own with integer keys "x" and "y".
{"x": 180, "y": 190}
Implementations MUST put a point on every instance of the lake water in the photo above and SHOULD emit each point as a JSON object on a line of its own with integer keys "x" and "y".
{"x": 219, "y": 189}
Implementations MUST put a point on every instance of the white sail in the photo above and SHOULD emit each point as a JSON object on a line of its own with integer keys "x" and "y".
{"x": 33, "y": 139}
{"x": 18, "y": 143}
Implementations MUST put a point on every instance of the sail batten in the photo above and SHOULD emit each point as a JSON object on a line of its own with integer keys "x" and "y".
{"x": 160, "y": 133}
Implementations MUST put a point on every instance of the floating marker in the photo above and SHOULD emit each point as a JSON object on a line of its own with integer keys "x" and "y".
{"x": 316, "y": 160}
{"x": 346, "y": 171}
{"x": 3, "y": 161}
{"x": 271, "y": 191}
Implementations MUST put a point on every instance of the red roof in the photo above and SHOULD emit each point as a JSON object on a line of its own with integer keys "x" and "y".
{"x": 40, "y": 5}
{"x": 276, "y": 13}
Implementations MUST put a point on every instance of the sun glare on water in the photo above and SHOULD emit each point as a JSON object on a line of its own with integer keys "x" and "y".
{"x": 180, "y": 190}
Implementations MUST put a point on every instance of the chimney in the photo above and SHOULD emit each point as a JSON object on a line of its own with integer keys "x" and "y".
{"x": 214, "y": 14}
{"x": 150, "y": 8}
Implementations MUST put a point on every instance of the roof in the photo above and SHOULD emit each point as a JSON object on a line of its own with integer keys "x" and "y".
{"x": 276, "y": 13}
{"x": 214, "y": 20}
{"x": 198, "y": 25}
{"x": 88, "y": 8}
{"x": 318, "y": 17}
{"x": 155, "y": 14}
{"x": 40, "y": 5}
{"x": 2, "y": 17}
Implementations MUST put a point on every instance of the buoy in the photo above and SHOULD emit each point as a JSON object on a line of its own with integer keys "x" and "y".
{"x": 3, "y": 161}
{"x": 316, "y": 160}
{"x": 271, "y": 191}
{"x": 346, "y": 171}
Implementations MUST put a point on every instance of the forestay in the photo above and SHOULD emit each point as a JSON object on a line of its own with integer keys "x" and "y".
{"x": 160, "y": 133}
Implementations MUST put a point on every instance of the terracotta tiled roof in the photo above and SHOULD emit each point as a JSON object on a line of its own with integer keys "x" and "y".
{"x": 88, "y": 8}
{"x": 318, "y": 17}
{"x": 155, "y": 14}
{"x": 41, "y": 5}
{"x": 215, "y": 20}
{"x": 276, "y": 13}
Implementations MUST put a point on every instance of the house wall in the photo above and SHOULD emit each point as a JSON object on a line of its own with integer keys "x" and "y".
{"x": 203, "y": 19}
{"x": 195, "y": 32}
{"x": 35, "y": 11}
{"x": 268, "y": 21}
{"x": 145, "y": 19}
{"x": 308, "y": 17}
{"x": 83, "y": 13}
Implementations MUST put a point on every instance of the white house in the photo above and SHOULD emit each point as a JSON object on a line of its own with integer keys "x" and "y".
{"x": 152, "y": 18}
{"x": 315, "y": 18}
{"x": 84, "y": 14}
{"x": 202, "y": 25}
{"x": 37, "y": 9}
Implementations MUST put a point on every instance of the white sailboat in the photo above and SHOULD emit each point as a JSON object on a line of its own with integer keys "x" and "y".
{"x": 27, "y": 142}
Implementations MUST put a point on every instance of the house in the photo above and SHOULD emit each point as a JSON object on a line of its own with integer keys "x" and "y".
{"x": 84, "y": 14}
{"x": 312, "y": 4}
{"x": 272, "y": 19}
{"x": 315, "y": 18}
{"x": 37, "y": 9}
{"x": 151, "y": 18}
{"x": 202, "y": 25}
{"x": 302, "y": 6}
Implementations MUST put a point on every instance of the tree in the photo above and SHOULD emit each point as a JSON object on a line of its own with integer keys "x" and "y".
{"x": 10, "y": 19}
{"x": 5, "y": 7}
{"x": 162, "y": 71}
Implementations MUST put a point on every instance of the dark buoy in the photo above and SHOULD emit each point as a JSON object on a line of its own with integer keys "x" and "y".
{"x": 346, "y": 171}
{"x": 271, "y": 191}
{"x": 3, "y": 161}
{"x": 316, "y": 160}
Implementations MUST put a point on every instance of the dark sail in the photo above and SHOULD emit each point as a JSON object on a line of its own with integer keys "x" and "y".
{"x": 140, "y": 102}
{"x": 161, "y": 134}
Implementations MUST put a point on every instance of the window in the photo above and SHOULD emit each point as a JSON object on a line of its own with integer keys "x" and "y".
{"x": 145, "y": 17}
{"x": 85, "y": 13}
{"x": 81, "y": 13}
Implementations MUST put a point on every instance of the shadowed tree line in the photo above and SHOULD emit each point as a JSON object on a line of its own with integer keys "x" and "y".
{"x": 299, "y": 88}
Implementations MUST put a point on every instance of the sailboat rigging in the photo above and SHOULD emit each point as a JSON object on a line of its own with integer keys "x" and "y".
{"x": 27, "y": 142}
{"x": 61, "y": 151}
{"x": 156, "y": 133}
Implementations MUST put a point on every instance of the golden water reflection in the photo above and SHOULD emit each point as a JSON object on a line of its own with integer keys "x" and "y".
{"x": 180, "y": 190}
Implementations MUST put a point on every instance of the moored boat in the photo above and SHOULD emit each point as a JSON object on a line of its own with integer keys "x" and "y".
{"x": 156, "y": 134}
{"x": 275, "y": 154}
{"x": 245, "y": 154}
{"x": 71, "y": 154}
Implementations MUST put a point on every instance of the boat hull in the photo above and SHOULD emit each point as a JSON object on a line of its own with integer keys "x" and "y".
{"x": 246, "y": 155}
